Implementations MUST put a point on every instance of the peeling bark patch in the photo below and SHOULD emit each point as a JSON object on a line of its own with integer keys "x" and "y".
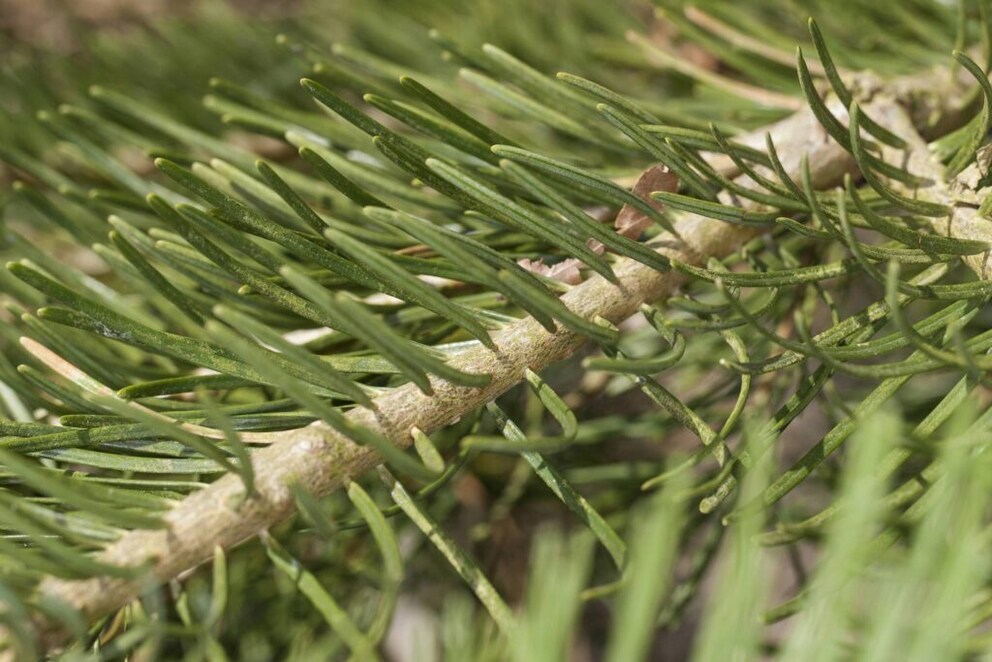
{"x": 631, "y": 222}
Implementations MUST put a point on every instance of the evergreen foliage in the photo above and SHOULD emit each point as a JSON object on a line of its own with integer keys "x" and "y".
{"x": 439, "y": 302}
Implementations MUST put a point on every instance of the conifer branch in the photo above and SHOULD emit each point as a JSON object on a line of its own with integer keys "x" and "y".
{"x": 320, "y": 460}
